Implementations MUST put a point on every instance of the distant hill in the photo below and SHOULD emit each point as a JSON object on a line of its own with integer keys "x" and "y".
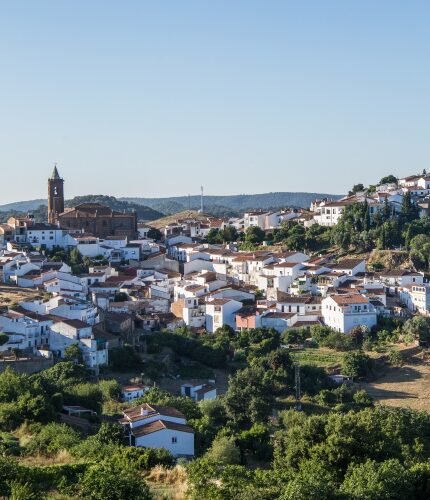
{"x": 39, "y": 207}
{"x": 237, "y": 203}
{"x": 154, "y": 208}
{"x": 143, "y": 212}
{"x": 23, "y": 206}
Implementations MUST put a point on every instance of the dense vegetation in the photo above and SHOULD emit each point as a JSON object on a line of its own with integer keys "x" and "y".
{"x": 340, "y": 444}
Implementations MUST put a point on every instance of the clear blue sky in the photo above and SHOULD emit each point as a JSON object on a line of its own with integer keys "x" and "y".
{"x": 140, "y": 98}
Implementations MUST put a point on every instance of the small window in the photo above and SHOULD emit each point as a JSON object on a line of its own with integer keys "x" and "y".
{"x": 174, "y": 440}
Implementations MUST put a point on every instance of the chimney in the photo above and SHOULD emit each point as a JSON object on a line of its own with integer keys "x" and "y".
{"x": 143, "y": 411}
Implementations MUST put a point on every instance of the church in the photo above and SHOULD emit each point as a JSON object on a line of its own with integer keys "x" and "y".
{"x": 95, "y": 218}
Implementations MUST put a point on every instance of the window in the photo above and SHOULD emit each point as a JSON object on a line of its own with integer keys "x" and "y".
{"x": 174, "y": 440}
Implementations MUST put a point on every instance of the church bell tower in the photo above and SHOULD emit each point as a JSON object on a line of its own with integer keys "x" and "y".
{"x": 55, "y": 196}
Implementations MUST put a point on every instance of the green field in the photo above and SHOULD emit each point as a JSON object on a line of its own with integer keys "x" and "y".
{"x": 322, "y": 357}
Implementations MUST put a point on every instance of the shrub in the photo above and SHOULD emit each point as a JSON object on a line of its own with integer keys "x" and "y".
{"x": 223, "y": 451}
{"x": 52, "y": 438}
{"x": 356, "y": 364}
{"x": 107, "y": 481}
{"x": 395, "y": 358}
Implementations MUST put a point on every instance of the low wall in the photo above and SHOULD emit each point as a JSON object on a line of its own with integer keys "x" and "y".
{"x": 26, "y": 365}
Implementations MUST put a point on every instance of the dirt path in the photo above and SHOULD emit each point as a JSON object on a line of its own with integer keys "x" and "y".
{"x": 408, "y": 386}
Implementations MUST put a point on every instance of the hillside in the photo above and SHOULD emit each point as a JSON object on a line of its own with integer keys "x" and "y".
{"x": 23, "y": 206}
{"x": 168, "y": 219}
{"x": 150, "y": 209}
{"x": 39, "y": 207}
{"x": 143, "y": 212}
{"x": 239, "y": 202}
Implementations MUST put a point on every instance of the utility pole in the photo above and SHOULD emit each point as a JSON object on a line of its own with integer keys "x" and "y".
{"x": 201, "y": 200}
{"x": 297, "y": 386}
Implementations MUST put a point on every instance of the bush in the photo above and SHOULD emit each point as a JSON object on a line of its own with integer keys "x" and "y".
{"x": 378, "y": 481}
{"x": 124, "y": 359}
{"x": 338, "y": 341}
{"x": 223, "y": 451}
{"x": 52, "y": 438}
{"x": 356, "y": 364}
{"x": 107, "y": 481}
{"x": 395, "y": 358}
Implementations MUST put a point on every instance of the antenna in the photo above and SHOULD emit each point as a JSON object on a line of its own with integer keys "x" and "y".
{"x": 201, "y": 200}
{"x": 298, "y": 387}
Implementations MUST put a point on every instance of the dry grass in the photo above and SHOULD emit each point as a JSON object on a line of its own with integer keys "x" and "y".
{"x": 167, "y": 483}
{"x": 10, "y": 294}
{"x": 407, "y": 386}
{"x": 390, "y": 259}
{"x": 169, "y": 219}
{"x": 61, "y": 458}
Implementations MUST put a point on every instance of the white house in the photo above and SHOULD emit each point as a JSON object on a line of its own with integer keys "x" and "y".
{"x": 416, "y": 298}
{"x": 46, "y": 236}
{"x": 351, "y": 267}
{"x": 220, "y": 312}
{"x": 345, "y": 312}
{"x": 198, "y": 392}
{"x": 25, "y": 329}
{"x": 130, "y": 392}
{"x": 67, "y": 332}
{"x": 154, "y": 426}
{"x": 401, "y": 277}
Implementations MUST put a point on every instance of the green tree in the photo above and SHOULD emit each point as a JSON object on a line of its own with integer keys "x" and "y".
{"x": 356, "y": 364}
{"x": 357, "y": 188}
{"x": 254, "y": 235}
{"x": 249, "y": 397}
{"x": 228, "y": 234}
{"x": 224, "y": 451}
{"x": 378, "y": 481}
{"x": 419, "y": 328}
{"x": 107, "y": 481}
{"x": 409, "y": 210}
{"x": 388, "y": 179}
{"x": 214, "y": 236}
{"x": 154, "y": 234}
{"x": 74, "y": 353}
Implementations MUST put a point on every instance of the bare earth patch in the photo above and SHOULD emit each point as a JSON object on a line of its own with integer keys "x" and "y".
{"x": 407, "y": 386}
{"x": 12, "y": 294}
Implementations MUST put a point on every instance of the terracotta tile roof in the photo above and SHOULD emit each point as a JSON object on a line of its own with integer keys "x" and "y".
{"x": 347, "y": 264}
{"x": 348, "y": 299}
{"x": 159, "y": 425}
{"x": 135, "y": 413}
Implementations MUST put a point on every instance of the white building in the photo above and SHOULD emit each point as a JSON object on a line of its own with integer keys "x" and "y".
{"x": 198, "y": 392}
{"x": 220, "y": 312}
{"x": 26, "y": 330}
{"x": 416, "y": 298}
{"x": 154, "y": 426}
{"x": 67, "y": 332}
{"x": 345, "y": 312}
{"x": 131, "y": 392}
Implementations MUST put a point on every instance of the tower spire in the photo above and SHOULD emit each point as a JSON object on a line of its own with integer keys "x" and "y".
{"x": 55, "y": 174}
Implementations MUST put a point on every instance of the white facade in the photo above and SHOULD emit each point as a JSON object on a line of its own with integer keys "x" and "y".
{"x": 68, "y": 332}
{"x": 154, "y": 426}
{"x": 416, "y": 298}
{"x": 220, "y": 312}
{"x": 199, "y": 392}
{"x": 345, "y": 312}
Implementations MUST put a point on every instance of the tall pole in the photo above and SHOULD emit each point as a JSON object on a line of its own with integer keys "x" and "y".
{"x": 298, "y": 387}
{"x": 201, "y": 200}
